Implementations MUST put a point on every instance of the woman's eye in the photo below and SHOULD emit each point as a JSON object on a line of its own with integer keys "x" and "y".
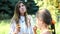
{"x": 19, "y": 6}
{"x": 23, "y": 5}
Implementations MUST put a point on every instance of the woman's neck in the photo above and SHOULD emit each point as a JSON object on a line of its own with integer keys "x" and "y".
{"x": 22, "y": 15}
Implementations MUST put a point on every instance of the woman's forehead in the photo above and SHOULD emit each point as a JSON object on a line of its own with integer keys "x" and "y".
{"x": 21, "y": 4}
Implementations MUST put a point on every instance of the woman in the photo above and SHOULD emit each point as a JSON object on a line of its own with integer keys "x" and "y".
{"x": 21, "y": 22}
{"x": 44, "y": 19}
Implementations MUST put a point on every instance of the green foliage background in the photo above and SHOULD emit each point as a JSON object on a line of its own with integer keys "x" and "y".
{"x": 7, "y": 11}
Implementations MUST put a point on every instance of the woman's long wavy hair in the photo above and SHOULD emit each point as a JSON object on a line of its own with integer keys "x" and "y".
{"x": 17, "y": 14}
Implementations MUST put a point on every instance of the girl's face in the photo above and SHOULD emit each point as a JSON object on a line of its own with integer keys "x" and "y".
{"x": 22, "y": 8}
{"x": 39, "y": 23}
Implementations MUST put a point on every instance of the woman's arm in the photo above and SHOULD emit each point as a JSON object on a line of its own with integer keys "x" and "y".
{"x": 12, "y": 27}
{"x": 34, "y": 28}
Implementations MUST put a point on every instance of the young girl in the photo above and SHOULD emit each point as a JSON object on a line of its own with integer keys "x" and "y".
{"x": 44, "y": 19}
{"x": 21, "y": 22}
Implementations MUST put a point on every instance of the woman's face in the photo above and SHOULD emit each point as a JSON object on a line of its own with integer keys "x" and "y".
{"x": 22, "y": 8}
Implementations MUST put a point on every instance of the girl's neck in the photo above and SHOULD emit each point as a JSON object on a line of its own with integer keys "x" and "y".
{"x": 45, "y": 28}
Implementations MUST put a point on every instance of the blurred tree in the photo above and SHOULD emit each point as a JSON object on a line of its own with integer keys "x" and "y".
{"x": 32, "y": 8}
{"x": 5, "y": 8}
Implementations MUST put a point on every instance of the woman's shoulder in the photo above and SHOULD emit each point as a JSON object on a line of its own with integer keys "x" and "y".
{"x": 12, "y": 21}
{"x": 29, "y": 16}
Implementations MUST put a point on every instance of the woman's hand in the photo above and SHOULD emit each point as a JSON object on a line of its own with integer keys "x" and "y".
{"x": 17, "y": 29}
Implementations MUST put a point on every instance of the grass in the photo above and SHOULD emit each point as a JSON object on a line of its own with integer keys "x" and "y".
{"x": 57, "y": 27}
{"x": 5, "y": 25}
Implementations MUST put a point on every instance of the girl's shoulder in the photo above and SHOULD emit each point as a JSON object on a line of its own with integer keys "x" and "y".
{"x": 46, "y": 32}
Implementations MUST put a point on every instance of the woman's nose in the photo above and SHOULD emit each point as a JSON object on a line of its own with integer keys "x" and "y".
{"x": 21, "y": 7}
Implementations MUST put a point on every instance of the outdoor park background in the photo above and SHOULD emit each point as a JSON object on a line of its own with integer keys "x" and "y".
{"x": 7, "y": 9}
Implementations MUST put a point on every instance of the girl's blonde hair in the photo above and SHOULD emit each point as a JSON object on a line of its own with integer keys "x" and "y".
{"x": 46, "y": 16}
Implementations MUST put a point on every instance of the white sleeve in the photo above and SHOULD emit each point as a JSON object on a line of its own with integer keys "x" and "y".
{"x": 32, "y": 21}
{"x": 12, "y": 27}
